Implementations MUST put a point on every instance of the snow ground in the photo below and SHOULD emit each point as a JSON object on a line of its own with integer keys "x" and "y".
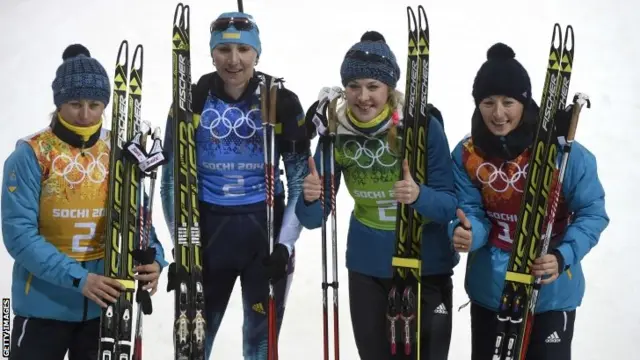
{"x": 305, "y": 42}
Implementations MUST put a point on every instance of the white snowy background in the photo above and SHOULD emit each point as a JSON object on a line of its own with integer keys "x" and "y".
{"x": 305, "y": 41}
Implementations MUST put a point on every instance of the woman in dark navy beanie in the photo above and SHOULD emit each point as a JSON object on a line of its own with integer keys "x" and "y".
{"x": 55, "y": 190}
{"x": 490, "y": 171}
{"x": 369, "y": 117}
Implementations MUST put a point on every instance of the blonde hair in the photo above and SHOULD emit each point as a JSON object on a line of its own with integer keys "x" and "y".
{"x": 396, "y": 103}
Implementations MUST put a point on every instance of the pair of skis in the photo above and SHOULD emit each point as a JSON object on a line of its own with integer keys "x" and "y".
{"x": 128, "y": 215}
{"x": 403, "y": 315}
{"x": 543, "y": 187}
{"x": 186, "y": 278}
{"x": 187, "y": 281}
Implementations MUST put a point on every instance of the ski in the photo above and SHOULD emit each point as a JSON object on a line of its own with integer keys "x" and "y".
{"x": 123, "y": 206}
{"x": 403, "y": 315}
{"x": 515, "y": 315}
{"x": 186, "y": 282}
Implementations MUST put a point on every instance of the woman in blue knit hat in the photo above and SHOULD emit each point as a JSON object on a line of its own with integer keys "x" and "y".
{"x": 231, "y": 176}
{"x": 367, "y": 154}
{"x": 490, "y": 172}
{"x": 54, "y": 194}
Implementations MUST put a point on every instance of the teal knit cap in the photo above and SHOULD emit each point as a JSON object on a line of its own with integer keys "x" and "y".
{"x": 235, "y": 28}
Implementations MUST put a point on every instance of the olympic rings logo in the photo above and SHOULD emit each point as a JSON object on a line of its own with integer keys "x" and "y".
{"x": 75, "y": 170}
{"x": 497, "y": 178}
{"x": 220, "y": 125}
{"x": 368, "y": 153}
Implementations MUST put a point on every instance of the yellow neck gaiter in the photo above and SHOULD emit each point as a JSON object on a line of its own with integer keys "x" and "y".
{"x": 84, "y": 131}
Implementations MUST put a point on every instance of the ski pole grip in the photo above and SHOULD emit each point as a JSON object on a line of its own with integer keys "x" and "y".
{"x": 573, "y": 123}
{"x": 263, "y": 102}
{"x": 273, "y": 95}
{"x": 332, "y": 116}
{"x": 579, "y": 100}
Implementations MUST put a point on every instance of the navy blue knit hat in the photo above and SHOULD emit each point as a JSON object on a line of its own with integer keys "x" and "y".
{"x": 80, "y": 77}
{"x": 371, "y": 58}
{"x": 502, "y": 74}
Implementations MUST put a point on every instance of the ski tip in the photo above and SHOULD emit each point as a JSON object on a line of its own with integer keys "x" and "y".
{"x": 124, "y": 46}
{"x": 181, "y": 15}
{"x": 569, "y": 39}
{"x": 177, "y": 13}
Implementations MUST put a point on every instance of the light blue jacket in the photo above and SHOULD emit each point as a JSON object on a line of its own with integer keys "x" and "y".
{"x": 46, "y": 283}
{"x": 486, "y": 264}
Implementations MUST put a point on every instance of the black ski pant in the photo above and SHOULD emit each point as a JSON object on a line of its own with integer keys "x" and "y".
{"x": 368, "y": 304}
{"x": 551, "y": 334}
{"x": 44, "y": 339}
{"x": 235, "y": 245}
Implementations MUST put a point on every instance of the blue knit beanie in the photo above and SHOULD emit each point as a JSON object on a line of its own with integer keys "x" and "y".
{"x": 371, "y": 58}
{"x": 80, "y": 77}
{"x": 249, "y": 37}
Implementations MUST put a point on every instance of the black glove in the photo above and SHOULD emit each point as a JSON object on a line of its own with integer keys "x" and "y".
{"x": 276, "y": 263}
{"x": 317, "y": 113}
{"x": 563, "y": 118}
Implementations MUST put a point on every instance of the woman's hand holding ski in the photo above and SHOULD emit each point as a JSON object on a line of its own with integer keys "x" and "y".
{"x": 406, "y": 191}
{"x": 100, "y": 288}
{"x": 546, "y": 267}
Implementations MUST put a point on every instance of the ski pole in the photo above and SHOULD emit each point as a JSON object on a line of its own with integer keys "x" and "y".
{"x": 328, "y": 144}
{"x": 268, "y": 104}
{"x": 579, "y": 101}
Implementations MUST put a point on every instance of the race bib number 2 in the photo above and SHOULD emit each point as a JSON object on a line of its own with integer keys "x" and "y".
{"x": 387, "y": 210}
{"x": 88, "y": 230}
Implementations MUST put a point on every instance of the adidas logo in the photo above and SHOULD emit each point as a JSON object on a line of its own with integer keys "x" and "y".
{"x": 257, "y": 307}
{"x": 441, "y": 309}
{"x": 553, "y": 338}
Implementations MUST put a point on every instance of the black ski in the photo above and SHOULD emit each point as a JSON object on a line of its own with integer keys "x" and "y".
{"x": 189, "y": 326}
{"x": 124, "y": 204}
{"x": 514, "y": 315}
{"x": 404, "y": 313}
